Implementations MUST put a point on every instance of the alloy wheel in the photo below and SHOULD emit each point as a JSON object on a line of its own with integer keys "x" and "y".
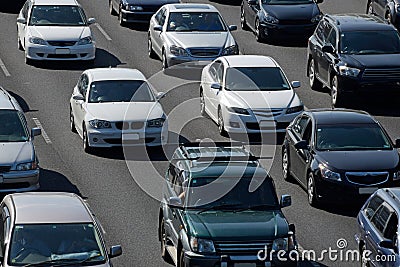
{"x": 311, "y": 192}
{"x": 285, "y": 164}
{"x": 202, "y": 104}
{"x": 243, "y": 22}
{"x": 334, "y": 91}
{"x": 221, "y": 127}
{"x": 72, "y": 121}
{"x": 314, "y": 83}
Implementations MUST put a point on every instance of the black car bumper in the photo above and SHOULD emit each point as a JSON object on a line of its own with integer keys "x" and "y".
{"x": 287, "y": 31}
{"x": 136, "y": 16}
{"x": 356, "y": 84}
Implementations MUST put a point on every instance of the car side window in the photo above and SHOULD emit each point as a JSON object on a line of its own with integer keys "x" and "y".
{"x": 300, "y": 126}
{"x": 307, "y": 132}
{"x": 390, "y": 231}
{"x": 178, "y": 183}
{"x": 373, "y": 206}
{"x": 332, "y": 38}
{"x": 25, "y": 9}
{"x": 162, "y": 18}
{"x": 84, "y": 83}
{"x": 220, "y": 73}
{"x": 4, "y": 228}
{"x": 214, "y": 70}
{"x": 319, "y": 32}
{"x": 158, "y": 16}
{"x": 381, "y": 217}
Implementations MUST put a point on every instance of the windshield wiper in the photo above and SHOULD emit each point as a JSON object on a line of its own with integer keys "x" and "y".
{"x": 256, "y": 207}
{"x": 223, "y": 206}
{"x": 63, "y": 262}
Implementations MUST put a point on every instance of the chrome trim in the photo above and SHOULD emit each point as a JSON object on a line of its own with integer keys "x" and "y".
{"x": 364, "y": 174}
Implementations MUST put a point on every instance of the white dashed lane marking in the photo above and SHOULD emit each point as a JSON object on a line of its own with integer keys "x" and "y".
{"x": 44, "y": 134}
{"x": 103, "y": 32}
{"x": 4, "y": 68}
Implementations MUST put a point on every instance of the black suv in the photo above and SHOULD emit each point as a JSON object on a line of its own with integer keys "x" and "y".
{"x": 387, "y": 9}
{"x": 220, "y": 208}
{"x": 353, "y": 53}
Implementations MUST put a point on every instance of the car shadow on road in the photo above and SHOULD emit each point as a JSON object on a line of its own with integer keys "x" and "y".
{"x": 11, "y": 7}
{"x": 382, "y": 104}
{"x": 227, "y": 2}
{"x": 52, "y": 181}
{"x": 21, "y": 101}
{"x": 140, "y": 27}
{"x": 287, "y": 42}
{"x": 258, "y": 139}
{"x": 103, "y": 59}
{"x": 188, "y": 71}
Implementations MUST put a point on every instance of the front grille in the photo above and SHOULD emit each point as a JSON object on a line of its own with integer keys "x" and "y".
{"x": 294, "y": 21}
{"x": 204, "y": 52}
{"x": 137, "y": 125}
{"x": 242, "y": 248}
{"x": 367, "y": 178}
{"x": 4, "y": 169}
{"x": 392, "y": 74}
{"x": 118, "y": 141}
{"x": 256, "y": 126}
{"x": 62, "y": 56}
{"x": 151, "y": 8}
{"x": 267, "y": 113}
{"x": 123, "y": 125}
{"x": 61, "y": 43}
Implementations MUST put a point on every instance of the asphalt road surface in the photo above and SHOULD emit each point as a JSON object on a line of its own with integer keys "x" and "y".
{"x": 122, "y": 186}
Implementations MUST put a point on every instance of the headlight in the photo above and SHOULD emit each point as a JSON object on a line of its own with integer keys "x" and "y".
{"x": 135, "y": 8}
{"x": 269, "y": 19}
{"x": 396, "y": 175}
{"x": 328, "y": 174}
{"x": 202, "y": 245}
{"x": 280, "y": 244}
{"x": 100, "y": 124}
{"x": 155, "y": 123}
{"x": 347, "y": 71}
{"x": 178, "y": 51}
{"x": 242, "y": 111}
{"x": 231, "y": 50}
{"x": 26, "y": 166}
{"x": 316, "y": 19}
{"x": 85, "y": 40}
{"x": 295, "y": 109}
{"x": 37, "y": 40}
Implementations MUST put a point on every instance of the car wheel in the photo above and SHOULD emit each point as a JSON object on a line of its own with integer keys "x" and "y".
{"x": 364, "y": 261}
{"x": 370, "y": 9}
{"x": 311, "y": 191}
{"x": 202, "y": 104}
{"x": 181, "y": 262}
{"x": 20, "y": 47}
{"x": 72, "y": 121}
{"x": 315, "y": 84}
{"x": 259, "y": 34}
{"x": 163, "y": 240}
{"x": 337, "y": 96}
{"x": 86, "y": 146}
{"x": 243, "y": 22}
{"x": 221, "y": 127}
{"x": 150, "y": 49}
{"x": 112, "y": 11}
{"x": 164, "y": 60}
{"x": 388, "y": 17}
{"x": 120, "y": 19}
{"x": 28, "y": 61}
{"x": 285, "y": 165}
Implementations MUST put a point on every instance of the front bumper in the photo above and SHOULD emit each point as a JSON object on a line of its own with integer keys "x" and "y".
{"x": 47, "y": 52}
{"x": 288, "y": 31}
{"x": 19, "y": 181}
{"x": 358, "y": 84}
{"x": 136, "y": 16}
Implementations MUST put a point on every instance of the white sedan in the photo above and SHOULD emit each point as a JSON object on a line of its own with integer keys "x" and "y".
{"x": 116, "y": 106}
{"x": 248, "y": 94}
{"x": 55, "y": 30}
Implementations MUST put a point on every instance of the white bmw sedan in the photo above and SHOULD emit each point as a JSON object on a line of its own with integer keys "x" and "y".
{"x": 116, "y": 106}
{"x": 248, "y": 94}
{"x": 55, "y": 30}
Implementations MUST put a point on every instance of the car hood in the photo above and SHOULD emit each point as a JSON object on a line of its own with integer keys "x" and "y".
{"x": 16, "y": 152}
{"x": 59, "y": 33}
{"x": 292, "y": 12}
{"x": 151, "y": 2}
{"x": 262, "y": 99}
{"x": 128, "y": 111}
{"x": 230, "y": 226}
{"x": 378, "y": 160}
{"x": 372, "y": 61}
{"x": 198, "y": 39}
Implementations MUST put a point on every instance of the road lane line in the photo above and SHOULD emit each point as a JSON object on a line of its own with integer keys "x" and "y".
{"x": 103, "y": 32}
{"x": 3, "y": 67}
{"x": 44, "y": 134}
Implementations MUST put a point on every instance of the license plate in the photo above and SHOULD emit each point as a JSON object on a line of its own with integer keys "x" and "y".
{"x": 367, "y": 190}
{"x": 130, "y": 136}
{"x": 267, "y": 124}
{"x": 62, "y": 51}
{"x": 244, "y": 265}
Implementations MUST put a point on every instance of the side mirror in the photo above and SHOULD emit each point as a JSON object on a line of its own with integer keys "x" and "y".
{"x": 175, "y": 202}
{"x": 78, "y": 97}
{"x": 157, "y": 28}
{"x": 319, "y": 1}
{"x": 21, "y": 20}
{"x": 160, "y": 95}
{"x": 91, "y": 21}
{"x": 397, "y": 143}
{"x": 386, "y": 244}
{"x": 252, "y": 2}
{"x": 115, "y": 251}
{"x": 296, "y": 84}
{"x": 36, "y": 131}
{"x": 232, "y": 28}
{"x": 303, "y": 144}
{"x": 286, "y": 201}
{"x": 328, "y": 49}
{"x": 216, "y": 86}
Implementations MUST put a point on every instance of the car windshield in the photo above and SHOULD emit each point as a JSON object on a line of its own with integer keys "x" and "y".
{"x": 352, "y": 137}
{"x": 255, "y": 79}
{"x": 370, "y": 42}
{"x": 35, "y": 243}
{"x": 286, "y": 2}
{"x": 57, "y": 16}
{"x": 195, "y": 21}
{"x": 235, "y": 193}
{"x": 12, "y": 127}
{"x": 120, "y": 91}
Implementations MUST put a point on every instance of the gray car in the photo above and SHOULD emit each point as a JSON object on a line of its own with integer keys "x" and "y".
{"x": 180, "y": 33}
{"x": 19, "y": 170}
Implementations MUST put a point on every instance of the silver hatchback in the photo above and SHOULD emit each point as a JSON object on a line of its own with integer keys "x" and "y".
{"x": 180, "y": 33}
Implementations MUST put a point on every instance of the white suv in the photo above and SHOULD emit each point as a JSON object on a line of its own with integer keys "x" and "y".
{"x": 19, "y": 170}
{"x": 248, "y": 94}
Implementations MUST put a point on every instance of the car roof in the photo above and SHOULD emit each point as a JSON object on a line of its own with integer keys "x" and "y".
{"x": 186, "y": 7}
{"x": 49, "y": 207}
{"x": 340, "y": 116}
{"x": 250, "y": 61}
{"x": 359, "y": 22}
{"x": 101, "y": 74}
{"x": 228, "y": 169}
{"x": 56, "y": 2}
{"x": 6, "y": 102}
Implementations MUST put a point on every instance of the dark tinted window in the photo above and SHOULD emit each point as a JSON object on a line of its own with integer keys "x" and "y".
{"x": 300, "y": 125}
{"x": 380, "y": 218}
{"x": 57, "y": 16}
{"x": 332, "y": 38}
{"x": 373, "y": 206}
{"x": 13, "y": 127}
{"x": 390, "y": 231}
{"x": 370, "y": 42}
{"x": 255, "y": 79}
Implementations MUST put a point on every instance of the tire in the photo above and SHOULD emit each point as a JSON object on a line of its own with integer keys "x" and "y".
{"x": 221, "y": 127}
{"x": 86, "y": 146}
{"x": 243, "y": 22}
{"x": 164, "y": 60}
{"x": 285, "y": 165}
{"x": 388, "y": 17}
{"x": 164, "y": 253}
{"x": 202, "y": 105}
{"x": 181, "y": 260}
{"x": 120, "y": 19}
{"x": 260, "y": 37}
{"x": 370, "y": 9}
{"x": 315, "y": 84}
{"x": 112, "y": 10}
{"x": 337, "y": 96}
{"x": 150, "y": 49}
{"x": 72, "y": 121}
{"x": 20, "y": 47}
{"x": 311, "y": 191}
{"x": 364, "y": 262}
{"x": 29, "y": 61}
